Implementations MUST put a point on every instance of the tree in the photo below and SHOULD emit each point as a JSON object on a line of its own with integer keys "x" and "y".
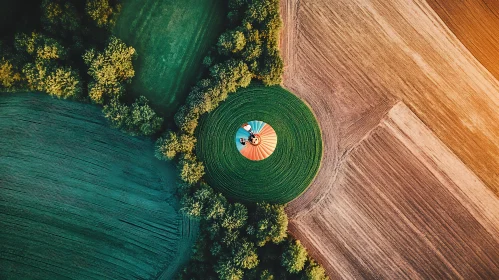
{"x": 189, "y": 123}
{"x": 272, "y": 69}
{"x": 139, "y": 119}
{"x": 231, "y": 75}
{"x": 194, "y": 205}
{"x": 228, "y": 237}
{"x": 258, "y": 10}
{"x": 59, "y": 16}
{"x": 271, "y": 223}
{"x": 191, "y": 170}
{"x": 294, "y": 256}
{"x": 117, "y": 113}
{"x": 266, "y": 275}
{"x": 109, "y": 69}
{"x": 171, "y": 144}
{"x": 235, "y": 217}
{"x": 9, "y": 77}
{"x": 199, "y": 102}
{"x": 314, "y": 271}
{"x": 168, "y": 146}
{"x": 232, "y": 41}
{"x": 253, "y": 49}
{"x": 227, "y": 270}
{"x": 143, "y": 120}
{"x": 64, "y": 82}
{"x": 102, "y": 12}
{"x": 244, "y": 255}
{"x": 45, "y": 70}
{"x": 216, "y": 207}
{"x": 236, "y": 4}
{"x": 60, "y": 82}
{"x": 39, "y": 47}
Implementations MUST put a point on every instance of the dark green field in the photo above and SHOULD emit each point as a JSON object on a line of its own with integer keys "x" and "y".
{"x": 171, "y": 38}
{"x": 287, "y": 172}
{"x": 82, "y": 201}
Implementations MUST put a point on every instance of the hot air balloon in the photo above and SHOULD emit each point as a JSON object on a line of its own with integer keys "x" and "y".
{"x": 256, "y": 140}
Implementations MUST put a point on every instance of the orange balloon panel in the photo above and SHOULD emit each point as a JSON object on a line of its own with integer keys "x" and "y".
{"x": 261, "y": 145}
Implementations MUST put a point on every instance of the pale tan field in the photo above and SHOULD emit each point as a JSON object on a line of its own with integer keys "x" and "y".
{"x": 400, "y": 194}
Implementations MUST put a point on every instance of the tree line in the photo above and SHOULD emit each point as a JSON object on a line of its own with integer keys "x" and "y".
{"x": 67, "y": 59}
{"x": 236, "y": 241}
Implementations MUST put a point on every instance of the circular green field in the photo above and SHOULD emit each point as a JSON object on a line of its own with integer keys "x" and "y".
{"x": 282, "y": 176}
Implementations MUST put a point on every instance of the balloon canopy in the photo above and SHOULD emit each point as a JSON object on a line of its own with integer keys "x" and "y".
{"x": 256, "y": 140}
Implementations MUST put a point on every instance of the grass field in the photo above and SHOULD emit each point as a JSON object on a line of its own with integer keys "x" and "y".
{"x": 283, "y": 175}
{"x": 171, "y": 38}
{"x": 80, "y": 200}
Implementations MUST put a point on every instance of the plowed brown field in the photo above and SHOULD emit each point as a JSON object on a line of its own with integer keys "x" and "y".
{"x": 399, "y": 195}
{"x": 476, "y": 24}
{"x": 404, "y": 206}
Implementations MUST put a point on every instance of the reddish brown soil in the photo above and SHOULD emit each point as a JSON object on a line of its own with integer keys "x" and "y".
{"x": 397, "y": 196}
{"x": 476, "y": 24}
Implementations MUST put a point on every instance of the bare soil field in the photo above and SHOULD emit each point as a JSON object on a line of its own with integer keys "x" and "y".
{"x": 405, "y": 207}
{"x": 476, "y": 24}
{"x": 352, "y": 60}
{"x": 403, "y": 191}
